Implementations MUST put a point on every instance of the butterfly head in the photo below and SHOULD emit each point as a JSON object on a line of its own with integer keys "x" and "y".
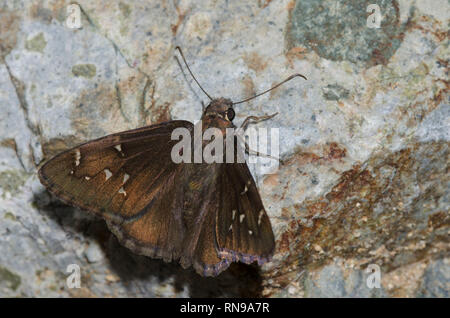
{"x": 220, "y": 107}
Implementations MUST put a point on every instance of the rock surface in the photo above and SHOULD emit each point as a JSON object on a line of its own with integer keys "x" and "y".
{"x": 365, "y": 141}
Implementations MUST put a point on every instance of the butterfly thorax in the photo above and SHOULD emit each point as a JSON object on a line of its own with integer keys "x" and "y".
{"x": 219, "y": 111}
{"x": 218, "y": 114}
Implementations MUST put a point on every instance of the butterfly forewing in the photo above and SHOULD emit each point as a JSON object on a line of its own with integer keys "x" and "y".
{"x": 113, "y": 176}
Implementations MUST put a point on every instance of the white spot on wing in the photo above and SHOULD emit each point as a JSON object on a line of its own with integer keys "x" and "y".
{"x": 261, "y": 213}
{"x": 119, "y": 149}
{"x": 77, "y": 157}
{"x": 245, "y": 190}
{"x": 241, "y": 218}
{"x": 231, "y": 227}
{"x": 108, "y": 174}
{"x": 122, "y": 191}
{"x": 126, "y": 176}
{"x": 234, "y": 214}
{"x": 87, "y": 178}
{"x": 250, "y": 232}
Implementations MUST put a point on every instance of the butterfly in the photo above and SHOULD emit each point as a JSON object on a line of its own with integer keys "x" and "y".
{"x": 201, "y": 215}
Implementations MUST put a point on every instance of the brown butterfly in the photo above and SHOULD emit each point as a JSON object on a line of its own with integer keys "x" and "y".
{"x": 204, "y": 215}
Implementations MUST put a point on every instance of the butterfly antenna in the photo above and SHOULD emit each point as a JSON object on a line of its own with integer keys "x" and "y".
{"x": 266, "y": 91}
{"x": 184, "y": 60}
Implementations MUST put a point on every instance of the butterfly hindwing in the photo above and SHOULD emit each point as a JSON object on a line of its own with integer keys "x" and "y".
{"x": 157, "y": 230}
{"x": 231, "y": 223}
{"x": 192, "y": 204}
{"x": 203, "y": 203}
{"x": 243, "y": 230}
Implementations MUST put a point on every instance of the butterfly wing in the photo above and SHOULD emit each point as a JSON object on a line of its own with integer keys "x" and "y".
{"x": 126, "y": 177}
{"x": 204, "y": 203}
{"x": 205, "y": 215}
{"x": 193, "y": 204}
{"x": 233, "y": 224}
{"x": 158, "y": 230}
{"x": 243, "y": 229}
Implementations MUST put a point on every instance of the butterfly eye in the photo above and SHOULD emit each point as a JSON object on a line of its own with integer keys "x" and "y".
{"x": 230, "y": 114}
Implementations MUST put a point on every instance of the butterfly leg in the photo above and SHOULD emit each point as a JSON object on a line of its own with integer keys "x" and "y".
{"x": 255, "y": 119}
{"x": 250, "y": 152}
{"x": 257, "y": 153}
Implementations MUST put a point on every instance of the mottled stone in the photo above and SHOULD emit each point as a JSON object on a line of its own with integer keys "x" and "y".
{"x": 331, "y": 281}
{"x": 85, "y": 70}
{"x": 93, "y": 253}
{"x": 337, "y": 30}
{"x": 335, "y": 92}
{"x": 9, "y": 279}
{"x": 393, "y": 212}
{"x": 37, "y": 43}
{"x": 364, "y": 141}
{"x": 436, "y": 281}
{"x": 12, "y": 180}
{"x": 435, "y": 127}
{"x": 9, "y": 25}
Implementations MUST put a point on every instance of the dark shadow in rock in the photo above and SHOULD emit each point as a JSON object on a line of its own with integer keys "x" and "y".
{"x": 140, "y": 274}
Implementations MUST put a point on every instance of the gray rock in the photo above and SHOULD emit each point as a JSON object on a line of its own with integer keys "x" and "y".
{"x": 436, "y": 126}
{"x": 93, "y": 253}
{"x": 331, "y": 282}
{"x": 338, "y": 30}
{"x": 436, "y": 281}
{"x": 364, "y": 140}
